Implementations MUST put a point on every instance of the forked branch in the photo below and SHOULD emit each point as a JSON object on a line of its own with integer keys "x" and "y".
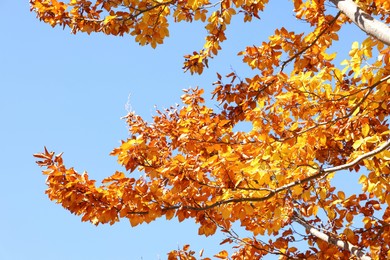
{"x": 330, "y": 239}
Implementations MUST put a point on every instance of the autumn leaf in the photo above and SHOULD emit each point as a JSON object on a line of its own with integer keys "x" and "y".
{"x": 222, "y": 255}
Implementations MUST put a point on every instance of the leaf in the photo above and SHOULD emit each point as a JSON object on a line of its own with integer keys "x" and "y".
{"x": 226, "y": 211}
{"x": 322, "y": 194}
{"x": 180, "y": 158}
{"x": 372, "y": 139}
{"x": 349, "y": 217}
{"x": 222, "y": 255}
{"x": 358, "y": 143}
{"x": 109, "y": 18}
{"x": 294, "y": 126}
{"x": 362, "y": 179}
{"x": 341, "y": 195}
{"x": 386, "y": 155}
{"x": 365, "y": 129}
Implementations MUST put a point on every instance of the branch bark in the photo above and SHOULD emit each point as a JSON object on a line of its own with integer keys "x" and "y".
{"x": 363, "y": 20}
{"x": 320, "y": 174}
{"x": 329, "y": 239}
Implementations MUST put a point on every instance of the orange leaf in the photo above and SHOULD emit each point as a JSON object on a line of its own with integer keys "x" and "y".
{"x": 222, "y": 255}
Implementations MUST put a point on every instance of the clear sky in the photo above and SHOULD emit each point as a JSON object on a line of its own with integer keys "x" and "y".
{"x": 68, "y": 92}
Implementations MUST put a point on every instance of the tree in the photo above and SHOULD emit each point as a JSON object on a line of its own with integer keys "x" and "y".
{"x": 310, "y": 121}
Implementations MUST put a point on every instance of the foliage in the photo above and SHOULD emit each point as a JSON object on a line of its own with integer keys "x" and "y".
{"x": 310, "y": 120}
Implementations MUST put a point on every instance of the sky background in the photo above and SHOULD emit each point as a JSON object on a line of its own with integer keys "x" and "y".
{"x": 68, "y": 92}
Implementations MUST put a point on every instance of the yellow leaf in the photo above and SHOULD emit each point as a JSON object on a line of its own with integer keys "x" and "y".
{"x": 365, "y": 129}
{"x": 345, "y": 63}
{"x": 357, "y": 110}
{"x": 371, "y": 186}
{"x": 306, "y": 195}
{"x": 223, "y": 123}
{"x": 108, "y": 19}
{"x": 362, "y": 179}
{"x": 355, "y": 45}
{"x": 322, "y": 194}
{"x": 294, "y": 126}
{"x": 330, "y": 56}
{"x": 297, "y": 190}
{"x": 357, "y": 144}
{"x": 323, "y": 140}
{"x": 386, "y": 155}
{"x": 315, "y": 210}
{"x": 180, "y": 158}
{"x": 372, "y": 139}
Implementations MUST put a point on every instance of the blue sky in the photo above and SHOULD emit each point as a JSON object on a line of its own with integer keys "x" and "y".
{"x": 68, "y": 92}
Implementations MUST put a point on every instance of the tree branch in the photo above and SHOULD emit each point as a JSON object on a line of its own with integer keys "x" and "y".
{"x": 320, "y": 173}
{"x": 367, "y": 155}
{"x": 311, "y": 44}
{"x": 363, "y": 20}
{"x": 330, "y": 239}
{"x": 370, "y": 88}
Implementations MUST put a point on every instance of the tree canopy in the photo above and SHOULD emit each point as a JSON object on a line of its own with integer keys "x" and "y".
{"x": 311, "y": 119}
